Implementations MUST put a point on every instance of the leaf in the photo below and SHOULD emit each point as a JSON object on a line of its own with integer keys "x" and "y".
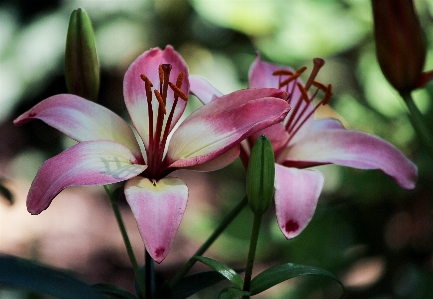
{"x": 277, "y": 274}
{"x": 223, "y": 269}
{"x": 24, "y": 274}
{"x": 113, "y": 291}
{"x": 192, "y": 284}
{"x": 232, "y": 293}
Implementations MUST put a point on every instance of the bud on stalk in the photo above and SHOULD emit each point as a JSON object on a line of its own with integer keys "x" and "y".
{"x": 260, "y": 176}
{"x": 400, "y": 44}
{"x": 81, "y": 60}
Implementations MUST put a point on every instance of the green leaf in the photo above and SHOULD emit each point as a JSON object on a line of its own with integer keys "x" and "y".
{"x": 188, "y": 286}
{"x": 6, "y": 193}
{"x": 24, "y": 274}
{"x": 223, "y": 269}
{"x": 232, "y": 293}
{"x": 113, "y": 291}
{"x": 277, "y": 274}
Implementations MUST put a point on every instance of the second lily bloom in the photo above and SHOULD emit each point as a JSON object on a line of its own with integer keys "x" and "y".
{"x": 301, "y": 142}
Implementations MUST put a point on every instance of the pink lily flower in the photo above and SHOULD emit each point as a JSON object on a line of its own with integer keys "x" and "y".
{"x": 301, "y": 142}
{"x": 108, "y": 150}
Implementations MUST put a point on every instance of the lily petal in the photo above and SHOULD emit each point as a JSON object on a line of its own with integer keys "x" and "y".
{"x": 353, "y": 149}
{"x": 82, "y": 120}
{"x": 296, "y": 195}
{"x": 87, "y": 163}
{"x": 327, "y": 124}
{"x": 220, "y": 162}
{"x": 203, "y": 89}
{"x": 135, "y": 93}
{"x": 158, "y": 208}
{"x": 218, "y": 126}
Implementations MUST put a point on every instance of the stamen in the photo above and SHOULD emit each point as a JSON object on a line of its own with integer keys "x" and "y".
{"x": 319, "y": 85}
{"x": 161, "y": 74}
{"x": 179, "y": 80}
{"x": 160, "y": 100}
{"x": 178, "y": 92}
{"x": 148, "y": 85}
{"x": 304, "y": 93}
{"x": 293, "y": 77}
{"x": 328, "y": 94}
{"x": 282, "y": 73}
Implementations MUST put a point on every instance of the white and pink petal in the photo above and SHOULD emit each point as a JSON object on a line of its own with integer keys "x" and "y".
{"x": 135, "y": 93}
{"x": 203, "y": 89}
{"x": 354, "y": 149}
{"x": 296, "y": 194}
{"x": 218, "y": 126}
{"x": 82, "y": 120}
{"x": 158, "y": 208}
{"x": 87, "y": 163}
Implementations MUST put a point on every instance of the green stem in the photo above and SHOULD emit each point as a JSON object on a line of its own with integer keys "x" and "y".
{"x": 417, "y": 120}
{"x": 128, "y": 246}
{"x": 150, "y": 275}
{"x": 223, "y": 225}
{"x": 252, "y": 252}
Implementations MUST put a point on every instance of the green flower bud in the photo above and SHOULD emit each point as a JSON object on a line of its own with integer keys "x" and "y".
{"x": 261, "y": 175}
{"x": 81, "y": 60}
{"x": 400, "y": 45}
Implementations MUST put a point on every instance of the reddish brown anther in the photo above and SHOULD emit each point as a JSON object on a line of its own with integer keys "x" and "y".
{"x": 304, "y": 92}
{"x": 282, "y": 73}
{"x": 292, "y": 77}
{"x": 160, "y": 100}
{"x": 178, "y": 92}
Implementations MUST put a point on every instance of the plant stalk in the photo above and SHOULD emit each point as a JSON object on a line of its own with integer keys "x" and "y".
{"x": 128, "y": 245}
{"x": 222, "y": 226}
{"x": 252, "y": 252}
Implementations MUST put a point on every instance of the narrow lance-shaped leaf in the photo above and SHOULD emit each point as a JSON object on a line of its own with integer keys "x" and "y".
{"x": 223, "y": 269}
{"x": 279, "y": 273}
{"x": 24, "y": 274}
{"x": 82, "y": 69}
{"x": 232, "y": 293}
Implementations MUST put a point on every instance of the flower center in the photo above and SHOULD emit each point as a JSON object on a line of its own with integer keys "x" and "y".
{"x": 159, "y": 131}
{"x": 299, "y": 113}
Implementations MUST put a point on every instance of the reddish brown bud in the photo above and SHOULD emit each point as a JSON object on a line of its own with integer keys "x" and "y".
{"x": 400, "y": 44}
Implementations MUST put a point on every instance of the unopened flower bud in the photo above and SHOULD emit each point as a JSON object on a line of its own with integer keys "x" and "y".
{"x": 400, "y": 45}
{"x": 81, "y": 60}
{"x": 260, "y": 175}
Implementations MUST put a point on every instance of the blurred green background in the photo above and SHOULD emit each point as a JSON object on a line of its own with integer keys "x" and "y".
{"x": 376, "y": 237}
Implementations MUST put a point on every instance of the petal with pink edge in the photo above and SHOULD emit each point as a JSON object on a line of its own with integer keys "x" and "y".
{"x": 158, "y": 208}
{"x": 82, "y": 120}
{"x": 216, "y": 127}
{"x": 87, "y": 163}
{"x": 203, "y": 89}
{"x": 354, "y": 149}
{"x": 296, "y": 195}
{"x": 135, "y": 93}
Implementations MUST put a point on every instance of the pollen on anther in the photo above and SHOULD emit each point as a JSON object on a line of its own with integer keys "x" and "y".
{"x": 328, "y": 94}
{"x": 161, "y": 73}
{"x": 282, "y": 73}
{"x": 179, "y": 80}
{"x": 292, "y": 77}
{"x": 160, "y": 100}
{"x": 178, "y": 92}
{"x": 304, "y": 92}
{"x": 319, "y": 85}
